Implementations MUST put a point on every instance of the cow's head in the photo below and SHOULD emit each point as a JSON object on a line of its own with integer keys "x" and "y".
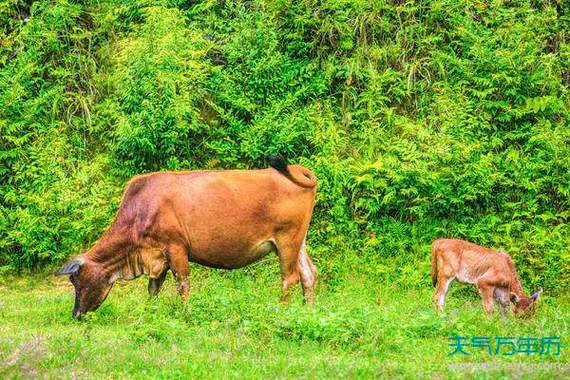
{"x": 525, "y": 306}
{"x": 91, "y": 284}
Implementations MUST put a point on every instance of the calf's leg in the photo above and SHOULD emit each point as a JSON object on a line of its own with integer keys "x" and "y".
{"x": 503, "y": 300}
{"x": 308, "y": 275}
{"x": 441, "y": 291}
{"x": 486, "y": 291}
{"x": 502, "y": 310}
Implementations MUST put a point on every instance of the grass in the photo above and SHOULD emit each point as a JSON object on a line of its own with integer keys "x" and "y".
{"x": 234, "y": 326}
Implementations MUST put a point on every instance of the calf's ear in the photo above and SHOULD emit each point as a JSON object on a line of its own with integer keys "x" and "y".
{"x": 69, "y": 268}
{"x": 536, "y": 295}
{"x": 515, "y": 298}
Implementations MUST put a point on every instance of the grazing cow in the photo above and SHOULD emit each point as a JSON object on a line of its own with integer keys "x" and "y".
{"x": 222, "y": 219}
{"x": 493, "y": 272}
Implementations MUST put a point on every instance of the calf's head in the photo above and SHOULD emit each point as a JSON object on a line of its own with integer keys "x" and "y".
{"x": 90, "y": 283}
{"x": 525, "y": 306}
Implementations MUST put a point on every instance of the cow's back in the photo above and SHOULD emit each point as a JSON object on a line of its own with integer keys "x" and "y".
{"x": 468, "y": 261}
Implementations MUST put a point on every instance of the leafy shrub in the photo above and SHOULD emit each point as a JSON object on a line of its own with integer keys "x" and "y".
{"x": 421, "y": 120}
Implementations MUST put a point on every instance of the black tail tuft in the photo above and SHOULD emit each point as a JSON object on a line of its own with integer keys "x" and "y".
{"x": 278, "y": 163}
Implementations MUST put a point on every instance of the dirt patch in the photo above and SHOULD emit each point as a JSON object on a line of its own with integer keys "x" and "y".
{"x": 59, "y": 282}
{"x": 26, "y": 356}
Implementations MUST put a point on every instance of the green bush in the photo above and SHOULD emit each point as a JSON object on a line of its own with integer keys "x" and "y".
{"x": 421, "y": 119}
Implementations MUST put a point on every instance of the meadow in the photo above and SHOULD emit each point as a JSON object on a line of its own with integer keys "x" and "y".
{"x": 234, "y": 326}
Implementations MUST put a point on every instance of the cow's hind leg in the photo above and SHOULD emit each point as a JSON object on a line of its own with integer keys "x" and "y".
{"x": 154, "y": 284}
{"x": 178, "y": 262}
{"x": 443, "y": 283}
{"x": 289, "y": 263}
{"x": 308, "y": 275}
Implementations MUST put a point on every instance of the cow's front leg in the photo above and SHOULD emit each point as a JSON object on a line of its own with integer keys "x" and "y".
{"x": 503, "y": 301}
{"x": 502, "y": 310}
{"x": 486, "y": 292}
{"x": 178, "y": 260}
{"x": 154, "y": 284}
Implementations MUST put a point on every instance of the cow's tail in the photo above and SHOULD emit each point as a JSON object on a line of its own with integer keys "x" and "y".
{"x": 434, "y": 249}
{"x": 300, "y": 175}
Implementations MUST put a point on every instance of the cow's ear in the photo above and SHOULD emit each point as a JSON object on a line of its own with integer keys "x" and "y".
{"x": 536, "y": 295}
{"x": 515, "y": 298}
{"x": 69, "y": 268}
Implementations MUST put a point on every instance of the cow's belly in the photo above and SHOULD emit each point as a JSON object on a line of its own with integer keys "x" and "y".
{"x": 231, "y": 258}
{"x": 465, "y": 276}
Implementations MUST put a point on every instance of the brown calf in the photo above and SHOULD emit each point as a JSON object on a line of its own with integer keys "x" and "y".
{"x": 493, "y": 272}
{"x": 222, "y": 219}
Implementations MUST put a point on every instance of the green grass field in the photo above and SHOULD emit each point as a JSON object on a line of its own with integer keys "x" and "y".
{"x": 234, "y": 326}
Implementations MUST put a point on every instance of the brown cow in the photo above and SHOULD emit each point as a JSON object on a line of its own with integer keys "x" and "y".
{"x": 222, "y": 219}
{"x": 493, "y": 272}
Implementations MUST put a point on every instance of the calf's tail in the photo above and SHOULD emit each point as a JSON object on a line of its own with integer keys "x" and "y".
{"x": 298, "y": 174}
{"x": 434, "y": 264}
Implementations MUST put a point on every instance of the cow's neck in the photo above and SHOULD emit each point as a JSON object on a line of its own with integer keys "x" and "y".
{"x": 120, "y": 262}
{"x": 516, "y": 286}
{"x": 129, "y": 267}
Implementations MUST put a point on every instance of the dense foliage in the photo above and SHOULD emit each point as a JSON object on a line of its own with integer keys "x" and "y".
{"x": 421, "y": 119}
